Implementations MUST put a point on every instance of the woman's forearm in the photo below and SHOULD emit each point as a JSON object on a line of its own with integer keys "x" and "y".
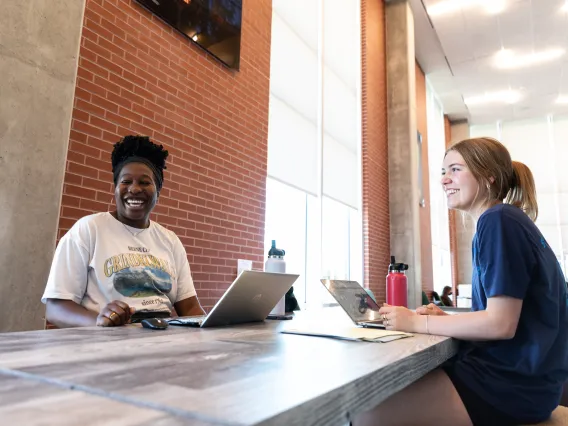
{"x": 479, "y": 325}
{"x": 189, "y": 307}
{"x": 66, "y": 313}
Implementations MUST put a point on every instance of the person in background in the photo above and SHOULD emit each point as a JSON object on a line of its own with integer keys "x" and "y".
{"x": 425, "y": 300}
{"x": 436, "y": 300}
{"x": 513, "y": 361}
{"x": 446, "y": 293}
{"x": 113, "y": 265}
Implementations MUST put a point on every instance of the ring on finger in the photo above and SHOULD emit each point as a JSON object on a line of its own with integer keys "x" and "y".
{"x": 110, "y": 316}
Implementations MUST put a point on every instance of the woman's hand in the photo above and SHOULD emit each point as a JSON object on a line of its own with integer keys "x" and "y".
{"x": 115, "y": 313}
{"x": 397, "y": 318}
{"x": 430, "y": 309}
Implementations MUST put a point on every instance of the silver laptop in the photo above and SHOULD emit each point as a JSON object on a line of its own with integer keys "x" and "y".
{"x": 356, "y": 302}
{"x": 250, "y": 298}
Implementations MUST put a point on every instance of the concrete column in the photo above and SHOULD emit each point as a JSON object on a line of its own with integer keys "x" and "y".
{"x": 39, "y": 48}
{"x": 403, "y": 149}
{"x": 465, "y": 227}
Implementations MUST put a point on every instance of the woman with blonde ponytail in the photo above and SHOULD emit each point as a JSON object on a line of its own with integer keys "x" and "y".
{"x": 513, "y": 360}
{"x": 523, "y": 191}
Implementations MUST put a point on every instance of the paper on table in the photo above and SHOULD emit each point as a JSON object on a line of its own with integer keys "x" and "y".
{"x": 350, "y": 333}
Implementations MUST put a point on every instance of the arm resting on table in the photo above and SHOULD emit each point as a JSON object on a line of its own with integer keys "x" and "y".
{"x": 66, "y": 313}
{"x": 498, "y": 322}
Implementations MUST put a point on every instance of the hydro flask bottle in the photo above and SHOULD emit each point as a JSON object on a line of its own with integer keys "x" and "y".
{"x": 397, "y": 284}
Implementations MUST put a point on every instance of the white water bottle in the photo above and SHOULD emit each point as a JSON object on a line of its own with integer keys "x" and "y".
{"x": 276, "y": 263}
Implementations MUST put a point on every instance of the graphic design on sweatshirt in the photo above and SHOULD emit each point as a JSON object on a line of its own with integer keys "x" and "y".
{"x": 139, "y": 275}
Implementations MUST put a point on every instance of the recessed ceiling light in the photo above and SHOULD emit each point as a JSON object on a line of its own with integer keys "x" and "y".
{"x": 507, "y": 59}
{"x": 562, "y": 99}
{"x": 565, "y": 7}
{"x": 504, "y": 96}
{"x": 495, "y": 7}
{"x": 448, "y": 6}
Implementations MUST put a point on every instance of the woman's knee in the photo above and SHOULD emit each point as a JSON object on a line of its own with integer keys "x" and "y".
{"x": 430, "y": 400}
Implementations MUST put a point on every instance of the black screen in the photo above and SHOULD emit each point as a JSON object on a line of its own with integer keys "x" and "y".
{"x": 215, "y": 25}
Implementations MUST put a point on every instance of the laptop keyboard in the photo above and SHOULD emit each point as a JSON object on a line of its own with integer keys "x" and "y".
{"x": 187, "y": 320}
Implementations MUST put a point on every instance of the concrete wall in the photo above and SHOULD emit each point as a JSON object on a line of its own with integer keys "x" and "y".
{"x": 403, "y": 146}
{"x": 464, "y": 226}
{"x": 425, "y": 215}
{"x": 39, "y": 45}
{"x": 452, "y": 219}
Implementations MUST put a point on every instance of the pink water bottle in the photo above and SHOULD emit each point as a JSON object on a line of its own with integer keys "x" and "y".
{"x": 397, "y": 284}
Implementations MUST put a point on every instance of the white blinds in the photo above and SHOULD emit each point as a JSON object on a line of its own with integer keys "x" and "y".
{"x": 314, "y": 105}
{"x": 559, "y": 155}
{"x": 526, "y": 141}
{"x": 292, "y": 147}
{"x": 341, "y": 44}
{"x": 293, "y": 109}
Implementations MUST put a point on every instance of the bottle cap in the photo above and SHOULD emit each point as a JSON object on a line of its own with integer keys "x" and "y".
{"x": 397, "y": 267}
{"x": 275, "y": 252}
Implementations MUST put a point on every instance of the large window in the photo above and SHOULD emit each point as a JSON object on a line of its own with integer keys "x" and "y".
{"x": 314, "y": 173}
{"x": 293, "y": 221}
{"x": 286, "y": 222}
{"x": 540, "y": 143}
{"x": 441, "y": 259}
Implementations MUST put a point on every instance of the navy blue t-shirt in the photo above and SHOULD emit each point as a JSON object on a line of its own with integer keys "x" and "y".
{"x": 523, "y": 376}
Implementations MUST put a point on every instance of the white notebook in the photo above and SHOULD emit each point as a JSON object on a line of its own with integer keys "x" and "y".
{"x": 349, "y": 333}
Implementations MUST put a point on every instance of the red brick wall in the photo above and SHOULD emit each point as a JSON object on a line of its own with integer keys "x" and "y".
{"x": 425, "y": 221}
{"x": 138, "y": 76}
{"x": 376, "y": 232}
{"x": 452, "y": 219}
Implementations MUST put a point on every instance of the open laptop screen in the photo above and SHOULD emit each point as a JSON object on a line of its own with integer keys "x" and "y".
{"x": 353, "y": 299}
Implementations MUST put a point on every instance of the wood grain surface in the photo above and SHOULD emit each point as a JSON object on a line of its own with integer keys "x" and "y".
{"x": 29, "y": 402}
{"x": 248, "y": 374}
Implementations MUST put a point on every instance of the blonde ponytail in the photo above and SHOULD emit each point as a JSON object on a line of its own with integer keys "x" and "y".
{"x": 523, "y": 191}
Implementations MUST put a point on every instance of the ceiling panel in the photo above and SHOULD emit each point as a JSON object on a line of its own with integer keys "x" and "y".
{"x": 470, "y": 37}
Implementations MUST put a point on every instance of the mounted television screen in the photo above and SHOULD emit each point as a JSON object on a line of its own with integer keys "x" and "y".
{"x": 215, "y": 25}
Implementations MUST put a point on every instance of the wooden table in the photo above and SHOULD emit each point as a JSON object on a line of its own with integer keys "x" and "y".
{"x": 248, "y": 374}
{"x": 28, "y": 401}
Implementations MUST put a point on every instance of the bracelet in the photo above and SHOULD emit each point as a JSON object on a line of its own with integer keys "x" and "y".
{"x": 427, "y": 328}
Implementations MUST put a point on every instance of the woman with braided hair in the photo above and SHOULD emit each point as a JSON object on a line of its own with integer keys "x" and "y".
{"x": 113, "y": 265}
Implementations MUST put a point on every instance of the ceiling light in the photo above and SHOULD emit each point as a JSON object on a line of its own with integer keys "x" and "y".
{"x": 562, "y": 99}
{"x": 495, "y": 7}
{"x": 507, "y": 59}
{"x": 565, "y": 7}
{"x": 504, "y": 96}
{"x": 448, "y": 6}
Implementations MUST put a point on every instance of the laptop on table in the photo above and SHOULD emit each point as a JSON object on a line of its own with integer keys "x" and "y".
{"x": 250, "y": 298}
{"x": 356, "y": 302}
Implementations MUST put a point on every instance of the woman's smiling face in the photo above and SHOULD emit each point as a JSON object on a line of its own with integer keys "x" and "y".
{"x": 136, "y": 194}
{"x": 462, "y": 190}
